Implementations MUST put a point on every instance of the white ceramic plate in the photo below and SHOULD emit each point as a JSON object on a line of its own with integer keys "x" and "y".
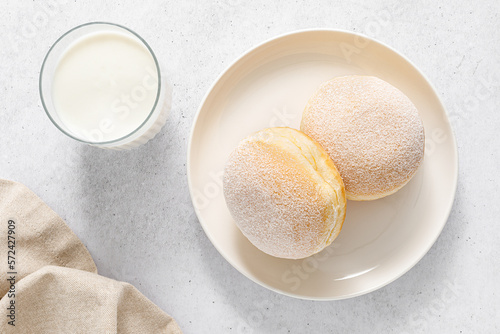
{"x": 269, "y": 86}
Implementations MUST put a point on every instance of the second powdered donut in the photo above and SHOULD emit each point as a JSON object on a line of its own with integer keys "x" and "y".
{"x": 372, "y": 132}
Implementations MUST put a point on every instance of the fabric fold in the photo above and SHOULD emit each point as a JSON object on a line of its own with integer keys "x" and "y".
{"x": 53, "y": 286}
{"x": 66, "y": 300}
{"x": 41, "y": 236}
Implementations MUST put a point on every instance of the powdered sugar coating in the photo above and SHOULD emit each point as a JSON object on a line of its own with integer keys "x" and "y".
{"x": 372, "y": 132}
{"x": 284, "y": 193}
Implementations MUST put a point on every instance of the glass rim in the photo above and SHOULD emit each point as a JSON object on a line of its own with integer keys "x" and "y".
{"x": 158, "y": 71}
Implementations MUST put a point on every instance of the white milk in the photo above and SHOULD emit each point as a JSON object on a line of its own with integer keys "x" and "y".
{"x": 105, "y": 86}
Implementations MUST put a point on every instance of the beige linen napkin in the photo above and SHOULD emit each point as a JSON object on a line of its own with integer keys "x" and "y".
{"x": 50, "y": 284}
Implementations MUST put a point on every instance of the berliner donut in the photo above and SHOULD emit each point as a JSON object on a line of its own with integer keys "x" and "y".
{"x": 284, "y": 193}
{"x": 372, "y": 132}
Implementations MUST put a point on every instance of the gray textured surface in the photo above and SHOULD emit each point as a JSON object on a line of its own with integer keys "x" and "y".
{"x": 132, "y": 209}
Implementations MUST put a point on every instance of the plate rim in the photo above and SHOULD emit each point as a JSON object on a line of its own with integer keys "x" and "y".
{"x": 447, "y": 120}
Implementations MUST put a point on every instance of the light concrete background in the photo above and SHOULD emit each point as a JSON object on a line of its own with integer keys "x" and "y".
{"x": 133, "y": 211}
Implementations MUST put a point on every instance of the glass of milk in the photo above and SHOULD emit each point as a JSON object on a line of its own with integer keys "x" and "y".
{"x": 101, "y": 84}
